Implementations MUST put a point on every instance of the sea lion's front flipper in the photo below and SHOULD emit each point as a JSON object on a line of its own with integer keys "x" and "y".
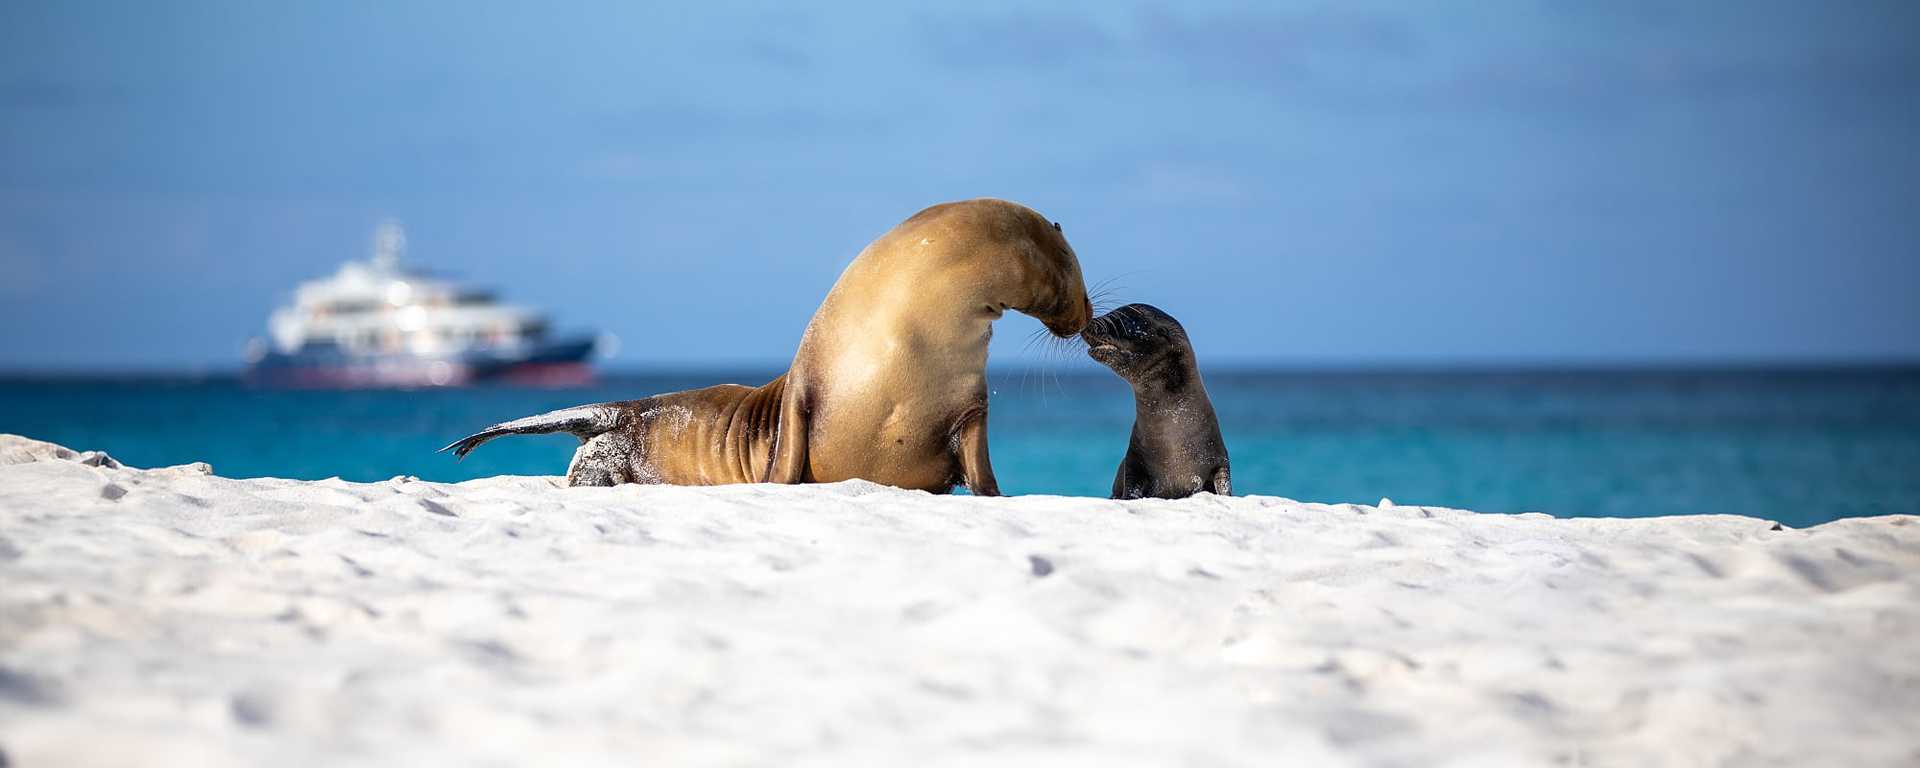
{"x": 970, "y": 447}
{"x": 1222, "y": 482}
{"x": 788, "y": 464}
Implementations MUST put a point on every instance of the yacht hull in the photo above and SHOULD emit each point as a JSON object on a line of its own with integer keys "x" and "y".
{"x": 550, "y": 364}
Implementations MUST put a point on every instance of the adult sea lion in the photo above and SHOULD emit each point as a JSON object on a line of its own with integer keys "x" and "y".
{"x": 889, "y": 382}
{"x": 1176, "y": 449}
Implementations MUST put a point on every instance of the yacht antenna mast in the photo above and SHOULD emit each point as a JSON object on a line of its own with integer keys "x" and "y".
{"x": 389, "y": 244}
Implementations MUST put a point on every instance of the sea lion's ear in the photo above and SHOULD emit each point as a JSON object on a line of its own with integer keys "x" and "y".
{"x": 1056, "y": 226}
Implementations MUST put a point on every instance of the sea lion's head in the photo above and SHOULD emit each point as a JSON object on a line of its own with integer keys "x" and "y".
{"x": 1002, "y": 255}
{"x": 1059, "y": 293}
{"x": 1135, "y": 340}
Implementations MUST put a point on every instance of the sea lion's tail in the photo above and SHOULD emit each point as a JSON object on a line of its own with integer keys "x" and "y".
{"x": 583, "y": 421}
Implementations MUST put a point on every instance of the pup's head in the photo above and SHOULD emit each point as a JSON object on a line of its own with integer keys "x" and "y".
{"x": 1135, "y": 340}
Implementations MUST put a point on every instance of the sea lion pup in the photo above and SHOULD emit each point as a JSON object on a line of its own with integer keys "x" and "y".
{"x": 888, "y": 385}
{"x": 1176, "y": 449}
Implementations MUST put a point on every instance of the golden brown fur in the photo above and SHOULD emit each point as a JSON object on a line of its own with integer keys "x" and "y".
{"x": 889, "y": 383}
{"x": 709, "y": 436}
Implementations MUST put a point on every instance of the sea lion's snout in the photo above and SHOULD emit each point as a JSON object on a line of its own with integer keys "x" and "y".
{"x": 1127, "y": 323}
{"x": 1133, "y": 332}
{"x": 1071, "y": 324}
{"x": 1101, "y": 336}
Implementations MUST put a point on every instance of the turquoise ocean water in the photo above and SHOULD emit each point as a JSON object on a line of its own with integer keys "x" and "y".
{"x": 1801, "y": 447}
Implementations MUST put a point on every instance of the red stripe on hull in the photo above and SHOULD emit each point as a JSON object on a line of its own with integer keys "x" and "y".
{"x": 549, "y": 375}
{"x": 570, "y": 374}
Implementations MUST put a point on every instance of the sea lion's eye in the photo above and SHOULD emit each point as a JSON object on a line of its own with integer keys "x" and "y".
{"x": 1056, "y": 226}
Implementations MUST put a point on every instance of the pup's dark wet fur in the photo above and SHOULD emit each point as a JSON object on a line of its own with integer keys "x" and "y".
{"x": 1176, "y": 450}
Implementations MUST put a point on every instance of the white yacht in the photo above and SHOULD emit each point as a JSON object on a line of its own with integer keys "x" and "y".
{"x": 377, "y": 323}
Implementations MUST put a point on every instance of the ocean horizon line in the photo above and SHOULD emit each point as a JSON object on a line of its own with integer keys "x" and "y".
{"x": 1236, "y": 368}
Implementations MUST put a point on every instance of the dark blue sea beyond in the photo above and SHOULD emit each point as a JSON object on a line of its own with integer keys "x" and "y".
{"x": 1801, "y": 447}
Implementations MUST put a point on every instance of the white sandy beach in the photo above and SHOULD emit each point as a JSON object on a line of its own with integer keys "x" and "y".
{"x": 173, "y": 617}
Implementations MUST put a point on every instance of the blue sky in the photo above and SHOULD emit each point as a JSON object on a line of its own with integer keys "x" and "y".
{"x": 1305, "y": 184}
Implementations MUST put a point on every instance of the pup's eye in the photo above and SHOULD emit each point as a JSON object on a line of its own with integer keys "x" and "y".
{"x": 1056, "y": 226}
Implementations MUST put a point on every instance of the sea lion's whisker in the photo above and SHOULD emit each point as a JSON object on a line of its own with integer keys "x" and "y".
{"x": 1116, "y": 278}
{"x": 1026, "y": 369}
{"x": 1104, "y": 290}
{"x": 1104, "y": 284}
{"x": 1099, "y": 297}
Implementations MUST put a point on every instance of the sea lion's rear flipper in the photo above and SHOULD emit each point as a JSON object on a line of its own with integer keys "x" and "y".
{"x": 584, "y": 421}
